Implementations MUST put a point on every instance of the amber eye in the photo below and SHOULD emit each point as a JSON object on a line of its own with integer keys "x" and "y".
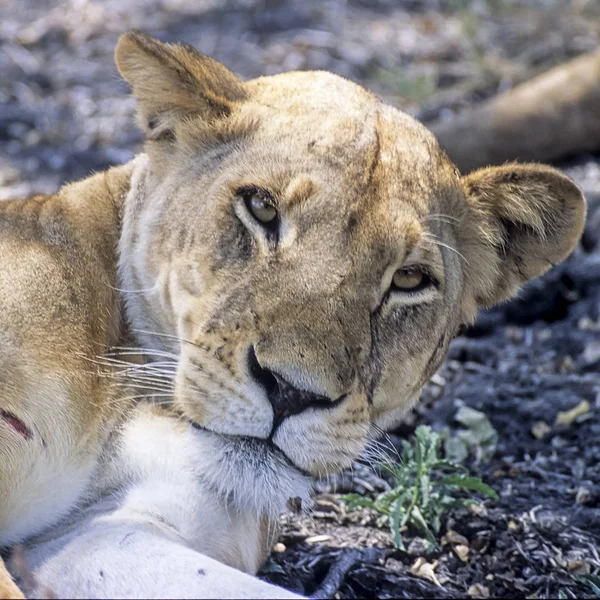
{"x": 410, "y": 280}
{"x": 260, "y": 208}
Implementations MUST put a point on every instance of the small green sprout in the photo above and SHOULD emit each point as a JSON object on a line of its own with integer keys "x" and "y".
{"x": 425, "y": 486}
{"x": 593, "y": 583}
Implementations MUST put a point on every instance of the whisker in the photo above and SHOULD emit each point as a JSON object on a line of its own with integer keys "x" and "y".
{"x": 167, "y": 336}
{"x": 116, "y": 289}
{"x": 136, "y": 383}
{"x": 147, "y": 388}
{"x": 435, "y": 240}
{"x": 135, "y": 351}
{"x": 388, "y": 440}
{"x": 440, "y": 216}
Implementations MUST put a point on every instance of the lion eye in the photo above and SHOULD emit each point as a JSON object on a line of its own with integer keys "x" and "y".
{"x": 410, "y": 280}
{"x": 262, "y": 210}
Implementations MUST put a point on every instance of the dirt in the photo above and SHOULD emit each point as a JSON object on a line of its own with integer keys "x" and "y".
{"x": 65, "y": 113}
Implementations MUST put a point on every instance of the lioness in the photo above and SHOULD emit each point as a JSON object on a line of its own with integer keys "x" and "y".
{"x": 287, "y": 263}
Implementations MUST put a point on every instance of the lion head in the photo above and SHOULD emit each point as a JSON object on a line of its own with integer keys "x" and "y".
{"x": 307, "y": 253}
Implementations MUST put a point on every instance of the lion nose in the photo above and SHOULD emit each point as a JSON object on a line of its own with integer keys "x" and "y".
{"x": 285, "y": 399}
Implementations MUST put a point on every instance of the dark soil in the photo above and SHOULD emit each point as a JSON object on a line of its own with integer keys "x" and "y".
{"x": 65, "y": 113}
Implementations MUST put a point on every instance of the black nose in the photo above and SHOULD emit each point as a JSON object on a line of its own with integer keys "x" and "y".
{"x": 285, "y": 399}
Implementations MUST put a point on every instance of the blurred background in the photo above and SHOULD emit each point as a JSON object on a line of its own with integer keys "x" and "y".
{"x": 65, "y": 111}
{"x": 519, "y": 395}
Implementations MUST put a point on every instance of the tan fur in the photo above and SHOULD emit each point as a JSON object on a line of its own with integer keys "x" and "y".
{"x": 8, "y": 588}
{"x": 361, "y": 189}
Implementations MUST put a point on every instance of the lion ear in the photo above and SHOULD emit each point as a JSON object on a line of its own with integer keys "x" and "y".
{"x": 521, "y": 220}
{"x": 174, "y": 81}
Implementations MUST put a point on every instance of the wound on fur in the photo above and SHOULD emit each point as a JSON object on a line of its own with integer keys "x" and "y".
{"x": 16, "y": 424}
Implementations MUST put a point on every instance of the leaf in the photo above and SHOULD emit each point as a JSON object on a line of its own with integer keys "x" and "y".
{"x": 449, "y": 464}
{"x": 396, "y": 512}
{"x": 435, "y": 520}
{"x": 417, "y": 520}
{"x": 355, "y": 501}
{"x": 404, "y": 499}
{"x": 469, "y": 483}
{"x": 421, "y": 434}
{"x": 471, "y": 418}
{"x": 480, "y": 436}
{"x": 455, "y": 449}
{"x": 408, "y": 453}
{"x": 272, "y": 567}
{"x": 434, "y": 448}
{"x": 424, "y": 488}
{"x": 593, "y": 582}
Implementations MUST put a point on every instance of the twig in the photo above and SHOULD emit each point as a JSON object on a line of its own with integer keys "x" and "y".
{"x": 341, "y": 567}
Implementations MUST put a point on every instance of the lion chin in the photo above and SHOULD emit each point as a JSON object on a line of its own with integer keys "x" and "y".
{"x": 256, "y": 475}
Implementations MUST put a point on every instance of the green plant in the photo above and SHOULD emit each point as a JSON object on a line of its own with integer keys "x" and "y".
{"x": 425, "y": 486}
{"x": 593, "y": 583}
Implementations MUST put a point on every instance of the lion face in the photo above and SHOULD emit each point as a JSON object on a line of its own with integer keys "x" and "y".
{"x": 307, "y": 252}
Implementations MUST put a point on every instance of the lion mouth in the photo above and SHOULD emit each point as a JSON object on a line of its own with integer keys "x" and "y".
{"x": 254, "y": 448}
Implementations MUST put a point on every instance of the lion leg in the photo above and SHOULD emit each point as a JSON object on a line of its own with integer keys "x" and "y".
{"x": 8, "y": 588}
{"x": 126, "y": 559}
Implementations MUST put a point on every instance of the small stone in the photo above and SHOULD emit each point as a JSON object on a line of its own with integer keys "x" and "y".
{"x": 462, "y": 552}
{"x": 567, "y": 417}
{"x": 279, "y": 547}
{"x": 566, "y": 365}
{"x": 478, "y": 591}
{"x": 316, "y": 539}
{"x": 453, "y": 537}
{"x": 514, "y": 335}
{"x": 583, "y": 496}
{"x": 356, "y": 54}
{"x": 477, "y": 509}
{"x": 587, "y": 324}
{"x": 578, "y": 567}
{"x": 418, "y": 547}
{"x": 544, "y": 335}
{"x": 540, "y": 430}
{"x": 315, "y": 38}
{"x": 425, "y": 570}
{"x": 437, "y": 379}
{"x": 481, "y": 541}
{"x": 591, "y": 354}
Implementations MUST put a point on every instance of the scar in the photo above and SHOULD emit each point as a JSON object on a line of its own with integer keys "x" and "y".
{"x": 16, "y": 424}
{"x": 375, "y": 156}
{"x": 125, "y": 538}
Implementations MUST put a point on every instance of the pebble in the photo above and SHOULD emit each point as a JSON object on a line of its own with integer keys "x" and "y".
{"x": 567, "y": 417}
{"x": 583, "y": 496}
{"x": 418, "y": 547}
{"x": 317, "y": 539}
{"x": 478, "y": 591}
{"x": 591, "y": 354}
{"x": 462, "y": 552}
{"x": 540, "y": 430}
